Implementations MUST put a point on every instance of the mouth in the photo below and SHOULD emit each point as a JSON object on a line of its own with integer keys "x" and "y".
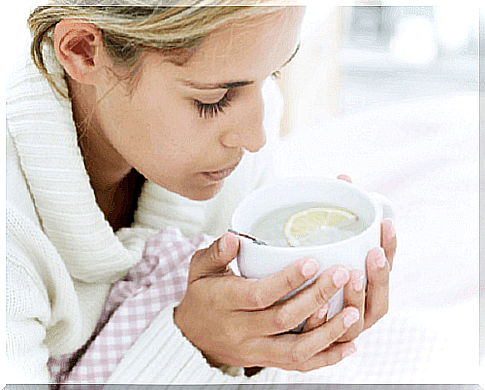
{"x": 221, "y": 174}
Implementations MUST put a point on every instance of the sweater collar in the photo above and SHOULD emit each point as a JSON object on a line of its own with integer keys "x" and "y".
{"x": 42, "y": 126}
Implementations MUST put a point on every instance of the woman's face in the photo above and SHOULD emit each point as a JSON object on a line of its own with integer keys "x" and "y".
{"x": 187, "y": 127}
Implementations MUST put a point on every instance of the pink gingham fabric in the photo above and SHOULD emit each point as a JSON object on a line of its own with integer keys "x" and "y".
{"x": 159, "y": 279}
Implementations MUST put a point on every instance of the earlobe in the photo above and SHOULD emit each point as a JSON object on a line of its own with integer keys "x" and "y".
{"x": 77, "y": 45}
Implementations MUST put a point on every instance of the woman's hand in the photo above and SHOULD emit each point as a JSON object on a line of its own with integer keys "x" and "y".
{"x": 374, "y": 300}
{"x": 239, "y": 322}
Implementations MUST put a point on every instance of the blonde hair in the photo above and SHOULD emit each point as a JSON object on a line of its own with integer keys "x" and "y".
{"x": 175, "y": 27}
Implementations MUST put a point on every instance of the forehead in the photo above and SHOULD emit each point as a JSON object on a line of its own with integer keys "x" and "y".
{"x": 249, "y": 49}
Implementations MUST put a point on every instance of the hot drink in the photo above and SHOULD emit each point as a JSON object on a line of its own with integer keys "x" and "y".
{"x": 307, "y": 224}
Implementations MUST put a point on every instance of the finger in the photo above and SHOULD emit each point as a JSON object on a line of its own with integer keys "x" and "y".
{"x": 214, "y": 259}
{"x": 354, "y": 295}
{"x": 345, "y": 178}
{"x": 377, "y": 300}
{"x": 296, "y": 349}
{"x": 290, "y": 313}
{"x": 258, "y": 294}
{"x": 332, "y": 355}
{"x": 316, "y": 319}
{"x": 388, "y": 239}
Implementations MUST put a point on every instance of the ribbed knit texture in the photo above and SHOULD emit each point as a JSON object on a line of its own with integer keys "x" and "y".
{"x": 53, "y": 166}
{"x": 62, "y": 255}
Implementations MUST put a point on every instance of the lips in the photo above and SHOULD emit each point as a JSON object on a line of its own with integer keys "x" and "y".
{"x": 221, "y": 174}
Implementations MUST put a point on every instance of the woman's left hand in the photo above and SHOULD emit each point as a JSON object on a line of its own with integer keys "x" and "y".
{"x": 372, "y": 301}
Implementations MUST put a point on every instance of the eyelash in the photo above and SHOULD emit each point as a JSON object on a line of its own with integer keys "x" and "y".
{"x": 212, "y": 109}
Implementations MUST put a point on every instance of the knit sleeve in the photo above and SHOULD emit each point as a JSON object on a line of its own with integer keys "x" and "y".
{"x": 163, "y": 355}
{"x": 28, "y": 309}
{"x": 27, "y": 312}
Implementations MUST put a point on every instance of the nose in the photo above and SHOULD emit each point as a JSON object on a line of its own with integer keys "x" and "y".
{"x": 247, "y": 130}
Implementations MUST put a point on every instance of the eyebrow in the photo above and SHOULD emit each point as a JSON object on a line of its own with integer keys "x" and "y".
{"x": 234, "y": 84}
{"x": 229, "y": 85}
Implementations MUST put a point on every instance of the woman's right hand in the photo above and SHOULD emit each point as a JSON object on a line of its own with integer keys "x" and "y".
{"x": 239, "y": 322}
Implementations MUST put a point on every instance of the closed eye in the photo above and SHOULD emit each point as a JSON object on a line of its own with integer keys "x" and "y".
{"x": 210, "y": 110}
{"x": 213, "y": 109}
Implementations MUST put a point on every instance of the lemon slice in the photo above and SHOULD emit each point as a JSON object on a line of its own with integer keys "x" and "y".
{"x": 310, "y": 222}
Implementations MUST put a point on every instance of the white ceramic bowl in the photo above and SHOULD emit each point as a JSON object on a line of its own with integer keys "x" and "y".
{"x": 259, "y": 261}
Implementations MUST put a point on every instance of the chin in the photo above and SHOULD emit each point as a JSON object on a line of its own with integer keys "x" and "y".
{"x": 206, "y": 193}
{"x": 200, "y": 193}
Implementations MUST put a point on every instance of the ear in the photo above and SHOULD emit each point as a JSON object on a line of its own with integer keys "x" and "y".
{"x": 80, "y": 50}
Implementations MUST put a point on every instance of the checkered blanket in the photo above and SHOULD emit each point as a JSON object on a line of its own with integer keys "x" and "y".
{"x": 159, "y": 279}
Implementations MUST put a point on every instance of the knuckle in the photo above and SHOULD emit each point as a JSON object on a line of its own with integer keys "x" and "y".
{"x": 212, "y": 256}
{"x": 290, "y": 283}
{"x": 334, "y": 332}
{"x": 282, "y": 320}
{"x": 299, "y": 356}
{"x": 322, "y": 296}
{"x": 382, "y": 277}
{"x": 256, "y": 297}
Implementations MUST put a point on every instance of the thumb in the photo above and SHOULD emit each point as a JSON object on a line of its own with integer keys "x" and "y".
{"x": 214, "y": 259}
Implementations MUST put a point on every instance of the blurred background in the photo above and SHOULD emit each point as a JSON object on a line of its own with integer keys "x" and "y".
{"x": 389, "y": 95}
{"x": 354, "y": 57}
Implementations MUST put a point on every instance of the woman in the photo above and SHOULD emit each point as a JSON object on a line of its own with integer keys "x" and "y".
{"x": 170, "y": 95}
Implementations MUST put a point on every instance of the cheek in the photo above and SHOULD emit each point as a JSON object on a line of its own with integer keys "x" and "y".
{"x": 161, "y": 137}
{"x": 161, "y": 134}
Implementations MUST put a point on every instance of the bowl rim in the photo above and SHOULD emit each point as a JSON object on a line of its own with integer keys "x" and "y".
{"x": 306, "y": 180}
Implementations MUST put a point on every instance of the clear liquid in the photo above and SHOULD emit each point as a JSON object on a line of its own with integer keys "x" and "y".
{"x": 270, "y": 227}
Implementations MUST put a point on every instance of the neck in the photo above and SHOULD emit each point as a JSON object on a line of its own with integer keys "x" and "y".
{"x": 106, "y": 168}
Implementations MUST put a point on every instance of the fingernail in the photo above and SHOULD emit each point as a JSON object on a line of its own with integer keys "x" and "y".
{"x": 323, "y": 311}
{"x": 340, "y": 277}
{"x": 221, "y": 246}
{"x": 358, "y": 280}
{"x": 392, "y": 229}
{"x": 310, "y": 268}
{"x": 349, "y": 350}
{"x": 377, "y": 257}
{"x": 345, "y": 178}
{"x": 351, "y": 316}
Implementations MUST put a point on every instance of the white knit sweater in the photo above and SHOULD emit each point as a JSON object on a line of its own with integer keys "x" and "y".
{"x": 62, "y": 255}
